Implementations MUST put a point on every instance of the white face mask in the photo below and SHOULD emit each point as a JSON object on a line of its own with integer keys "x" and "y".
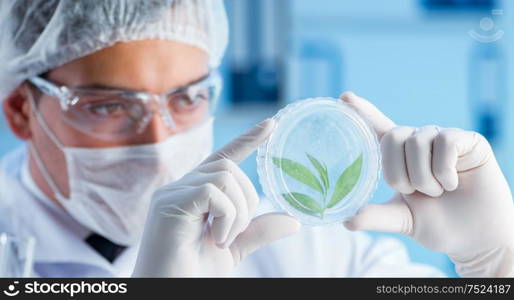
{"x": 111, "y": 188}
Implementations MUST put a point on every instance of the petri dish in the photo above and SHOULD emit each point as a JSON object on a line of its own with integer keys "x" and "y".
{"x": 322, "y": 163}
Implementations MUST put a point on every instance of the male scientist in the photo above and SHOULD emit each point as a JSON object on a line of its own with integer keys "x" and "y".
{"x": 114, "y": 101}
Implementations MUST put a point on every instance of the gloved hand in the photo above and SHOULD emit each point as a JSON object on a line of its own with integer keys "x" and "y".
{"x": 453, "y": 197}
{"x": 201, "y": 225}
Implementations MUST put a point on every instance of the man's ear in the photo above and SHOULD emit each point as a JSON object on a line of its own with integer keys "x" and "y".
{"x": 17, "y": 112}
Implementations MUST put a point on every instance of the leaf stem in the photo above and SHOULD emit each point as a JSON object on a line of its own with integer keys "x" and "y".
{"x": 324, "y": 204}
{"x": 325, "y": 194}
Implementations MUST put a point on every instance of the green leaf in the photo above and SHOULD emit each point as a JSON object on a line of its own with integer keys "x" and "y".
{"x": 303, "y": 203}
{"x": 298, "y": 172}
{"x": 346, "y": 182}
{"x": 322, "y": 170}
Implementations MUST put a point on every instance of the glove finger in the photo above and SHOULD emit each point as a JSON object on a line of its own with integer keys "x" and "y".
{"x": 245, "y": 183}
{"x": 262, "y": 231}
{"x": 394, "y": 216}
{"x": 214, "y": 202}
{"x": 457, "y": 150}
{"x": 243, "y": 146}
{"x": 393, "y": 162}
{"x": 418, "y": 154}
{"x": 225, "y": 182}
{"x": 378, "y": 121}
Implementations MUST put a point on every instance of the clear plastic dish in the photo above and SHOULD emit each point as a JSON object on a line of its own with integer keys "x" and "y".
{"x": 322, "y": 162}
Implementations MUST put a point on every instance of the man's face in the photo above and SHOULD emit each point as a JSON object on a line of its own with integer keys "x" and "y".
{"x": 151, "y": 66}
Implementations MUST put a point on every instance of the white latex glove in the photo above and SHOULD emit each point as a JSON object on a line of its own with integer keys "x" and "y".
{"x": 453, "y": 197}
{"x": 181, "y": 240}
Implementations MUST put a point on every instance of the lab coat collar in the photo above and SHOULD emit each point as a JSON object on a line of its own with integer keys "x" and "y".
{"x": 59, "y": 237}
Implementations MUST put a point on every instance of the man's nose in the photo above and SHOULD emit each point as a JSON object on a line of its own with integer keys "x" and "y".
{"x": 157, "y": 130}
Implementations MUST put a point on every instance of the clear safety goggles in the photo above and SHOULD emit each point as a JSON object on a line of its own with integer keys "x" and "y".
{"x": 113, "y": 114}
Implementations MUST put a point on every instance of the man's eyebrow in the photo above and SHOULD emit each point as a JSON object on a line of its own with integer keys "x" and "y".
{"x": 86, "y": 86}
{"x": 101, "y": 86}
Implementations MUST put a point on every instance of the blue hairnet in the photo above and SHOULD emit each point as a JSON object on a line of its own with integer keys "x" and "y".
{"x": 39, "y": 35}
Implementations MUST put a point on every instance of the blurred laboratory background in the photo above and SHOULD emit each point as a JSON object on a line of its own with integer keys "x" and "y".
{"x": 443, "y": 62}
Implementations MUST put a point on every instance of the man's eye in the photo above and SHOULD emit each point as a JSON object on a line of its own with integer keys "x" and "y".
{"x": 107, "y": 109}
{"x": 183, "y": 100}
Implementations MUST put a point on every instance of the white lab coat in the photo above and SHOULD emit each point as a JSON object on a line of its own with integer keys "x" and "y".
{"x": 315, "y": 251}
